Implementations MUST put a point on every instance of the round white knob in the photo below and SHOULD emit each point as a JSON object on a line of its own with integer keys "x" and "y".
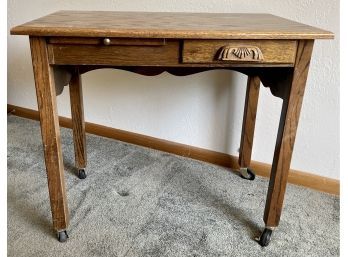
{"x": 107, "y": 41}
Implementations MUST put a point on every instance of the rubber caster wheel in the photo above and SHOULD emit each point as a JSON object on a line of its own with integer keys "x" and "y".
{"x": 265, "y": 237}
{"x": 247, "y": 173}
{"x": 62, "y": 236}
{"x": 81, "y": 174}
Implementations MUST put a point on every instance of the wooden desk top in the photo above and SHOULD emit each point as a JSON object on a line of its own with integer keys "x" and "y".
{"x": 169, "y": 25}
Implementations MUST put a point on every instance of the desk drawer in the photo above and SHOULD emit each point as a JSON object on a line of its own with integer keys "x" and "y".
{"x": 112, "y": 51}
{"x": 239, "y": 51}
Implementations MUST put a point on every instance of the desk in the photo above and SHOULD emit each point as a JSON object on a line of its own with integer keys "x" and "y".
{"x": 266, "y": 48}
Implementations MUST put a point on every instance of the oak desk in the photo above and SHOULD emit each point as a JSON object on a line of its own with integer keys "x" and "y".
{"x": 266, "y": 48}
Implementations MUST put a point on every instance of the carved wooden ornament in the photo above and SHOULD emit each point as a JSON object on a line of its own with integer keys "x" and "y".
{"x": 244, "y": 53}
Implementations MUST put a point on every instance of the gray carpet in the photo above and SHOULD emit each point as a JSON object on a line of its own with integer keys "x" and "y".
{"x": 141, "y": 202}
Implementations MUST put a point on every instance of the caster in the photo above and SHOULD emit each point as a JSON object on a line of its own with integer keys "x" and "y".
{"x": 247, "y": 173}
{"x": 62, "y": 236}
{"x": 265, "y": 237}
{"x": 81, "y": 174}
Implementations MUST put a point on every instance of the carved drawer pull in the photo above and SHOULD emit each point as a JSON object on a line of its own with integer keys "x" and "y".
{"x": 243, "y": 53}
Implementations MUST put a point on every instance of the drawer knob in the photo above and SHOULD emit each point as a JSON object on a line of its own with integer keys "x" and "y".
{"x": 242, "y": 53}
{"x": 107, "y": 41}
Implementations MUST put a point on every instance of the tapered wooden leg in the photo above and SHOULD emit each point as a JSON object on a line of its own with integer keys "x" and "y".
{"x": 286, "y": 134}
{"x": 248, "y": 127}
{"x": 46, "y": 99}
{"x": 78, "y": 123}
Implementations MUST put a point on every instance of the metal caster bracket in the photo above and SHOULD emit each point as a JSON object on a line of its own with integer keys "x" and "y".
{"x": 265, "y": 236}
{"x": 62, "y": 236}
{"x": 247, "y": 173}
{"x": 81, "y": 174}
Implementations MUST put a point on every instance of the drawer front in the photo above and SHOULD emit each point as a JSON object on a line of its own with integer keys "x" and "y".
{"x": 240, "y": 51}
{"x": 113, "y": 51}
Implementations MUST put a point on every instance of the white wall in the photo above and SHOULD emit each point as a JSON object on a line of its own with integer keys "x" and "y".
{"x": 204, "y": 110}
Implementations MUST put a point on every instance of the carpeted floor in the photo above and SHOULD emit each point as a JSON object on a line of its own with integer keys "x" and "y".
{"x": 141, "y": 202}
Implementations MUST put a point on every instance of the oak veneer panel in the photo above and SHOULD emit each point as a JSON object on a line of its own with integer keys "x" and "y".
{"x": 207, "y": 51}
{"x": 114, "y": 55}
{"x": 168, "y": 25}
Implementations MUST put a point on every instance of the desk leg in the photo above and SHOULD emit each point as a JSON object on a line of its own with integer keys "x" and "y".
{"x": 78, "y": 123}
{"x": 290, "y": 114}
{"x": 249, "y": 118}
{"x": 46, "y": 99}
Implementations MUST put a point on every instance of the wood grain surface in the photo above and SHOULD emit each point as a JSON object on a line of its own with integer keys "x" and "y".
{"x": 71, "y": 54}
{"x": 169, "y": 25}
{"x": 207, "y": 51}
{"x": 290, "y": 115}
{"x": 47, "y": 105}
{"x": 78, "y": 120}
{"x": 249, "y": 119}
{"x": 113, "y": 41}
